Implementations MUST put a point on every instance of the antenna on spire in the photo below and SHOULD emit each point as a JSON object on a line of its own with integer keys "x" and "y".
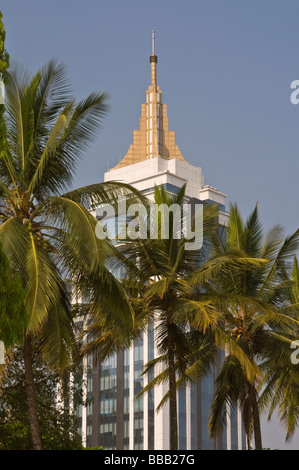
{"x": 153, "y": 60}
{"x": 153, "y": 42}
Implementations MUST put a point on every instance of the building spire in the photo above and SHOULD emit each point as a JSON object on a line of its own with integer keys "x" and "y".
{"x": 153, "y": 138}
{"x": 153, "y": 61}
{"x": 153, "y": 42}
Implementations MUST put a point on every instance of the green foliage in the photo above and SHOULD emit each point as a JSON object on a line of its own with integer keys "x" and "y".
{"x": 58, "y": 425}
{"x": 94, "y": 448}
{"x": 43, "y": 231}
{"x": 281, "y": 375}
{"x": 176, "y": 287}
{"x": 263, "y": 325}
{"x": 4, "y": 57}
{"x": 47, "y": 230}
{"x": 12, "y": 300}
{"x": 231, "y": 295}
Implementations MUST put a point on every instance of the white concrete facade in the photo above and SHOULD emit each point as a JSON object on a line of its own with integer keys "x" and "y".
{"x": 157, "y": 171}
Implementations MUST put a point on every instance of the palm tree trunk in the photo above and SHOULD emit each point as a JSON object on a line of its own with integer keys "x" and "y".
{"x": 172, "y": 394}
{"x": 31, "y": 398}
{"x": 256, "y": 423}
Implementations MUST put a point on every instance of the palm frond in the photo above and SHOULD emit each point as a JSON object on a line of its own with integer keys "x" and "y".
{"x": 43, "y": 284}
{"x": 224, "y": 265}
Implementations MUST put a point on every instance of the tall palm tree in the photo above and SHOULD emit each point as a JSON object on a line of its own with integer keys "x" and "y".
{"x": 47, "y": 229}
{"x": 280, "y": 367}
{"x": 259, "y": 331}
{"x": 166, "y": 285}
{"x": 4, "y": 64}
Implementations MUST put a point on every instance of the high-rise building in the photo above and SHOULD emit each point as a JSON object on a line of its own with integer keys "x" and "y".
{"x": 114, "y": 419}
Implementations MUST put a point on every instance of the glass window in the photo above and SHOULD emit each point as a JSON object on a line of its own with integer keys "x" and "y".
{"x": 89, "y": 409}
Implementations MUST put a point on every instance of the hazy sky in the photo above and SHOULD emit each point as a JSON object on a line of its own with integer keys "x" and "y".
{"x": 225, "y": 68}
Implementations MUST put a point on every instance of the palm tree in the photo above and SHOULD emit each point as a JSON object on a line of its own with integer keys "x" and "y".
{"x": 259, "y": 326}
{"x": 4, "y": 64}
{"x": 280, "y": 368}
{"x": 166, "y": 286}
{"x": 47, "y": 229}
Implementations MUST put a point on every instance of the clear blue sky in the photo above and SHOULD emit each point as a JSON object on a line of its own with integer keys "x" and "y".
{"x": 225, "y": 69}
